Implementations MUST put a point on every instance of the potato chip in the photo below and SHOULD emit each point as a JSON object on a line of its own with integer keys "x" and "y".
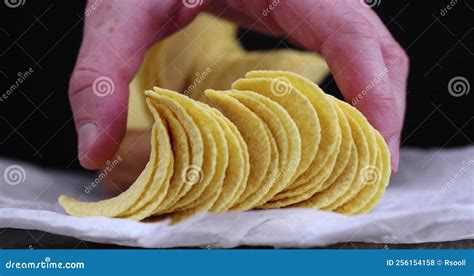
{"x": 338, "y": 187}
{"x": 327, "y": 117}
{"x": 363, "y": 154}
{"x": 181, "y": 153}
{"x": 225, "y": 71}
{"x": 194, "y": 139}
{"x": 326, "y": 176}
{"x": 286, "y": 135}
{"x": 297, "y": 106}
{"x": 238, "y": 168}
{"x": 151, "y": 185}
{"x": 261, "y": 146}
{"x": 276, "y": 141}
{"x": 377, "y": 178}
{"x": 358, "y": 120}
{"x": 211, "y": 175}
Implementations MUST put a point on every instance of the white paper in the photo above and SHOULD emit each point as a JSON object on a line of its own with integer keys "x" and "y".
{"x": 430, "y": 199}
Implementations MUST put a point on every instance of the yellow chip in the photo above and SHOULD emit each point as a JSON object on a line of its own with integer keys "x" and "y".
{"x": 297, "y": 106}
{"x": 363, "y": 154}
{"x": 259, "y": 143}
{"x": 238, "y": 169}
{"x": 195, "y": 141}
{"x": 226, "y": 70}
{"x": 325, "y": 177}
{"x": 337, "y": 188}
{"x": 211, "y": 175}
{"x": 369, "y": 136}
{"x": 155, "y": 178}
{"x": 376, "y": 177}
{"x": 286, "y": 135}
{"x": 181, "y": 153}
{"x": 327, "y": 117}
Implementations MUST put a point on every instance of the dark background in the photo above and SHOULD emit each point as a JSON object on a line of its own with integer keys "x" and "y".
{"x": 36, "y": 122}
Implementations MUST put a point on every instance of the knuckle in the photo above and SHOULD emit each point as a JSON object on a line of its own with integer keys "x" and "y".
{"x": 82, "y": 78}
{"x": 394, "y": 54}
{"x": 358, "y": 26}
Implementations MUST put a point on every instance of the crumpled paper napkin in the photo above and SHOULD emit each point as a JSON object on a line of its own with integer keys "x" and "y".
{"x": 430, "y": 199}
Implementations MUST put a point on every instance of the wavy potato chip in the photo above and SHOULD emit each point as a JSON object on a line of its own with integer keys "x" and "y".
{"x": 151, "y": 185}
{"x": 238, "y": 168}
{"x": 377, "y": 178}
{"x": 297, "y": 106}
{"x": 261, "y": 146}
{"x": 335, "y": 166}
{"x": 211, "y": 175}
{"x": 286, "y": 135}
{"x": 363, "y": 153}
{"x": 195, "y": 142}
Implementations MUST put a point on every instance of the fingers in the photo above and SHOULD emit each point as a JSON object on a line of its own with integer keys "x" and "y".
{"x": 397, "y": 63}
{"x": 116, "y": 36}
{"x": 350, "y": 43}
{"x": 222, "y": 9}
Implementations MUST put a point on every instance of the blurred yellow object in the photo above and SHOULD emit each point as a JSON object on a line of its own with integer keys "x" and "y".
{"x": 207, "y": 54}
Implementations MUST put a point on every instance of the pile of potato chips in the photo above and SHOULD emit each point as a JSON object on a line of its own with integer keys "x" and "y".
{"x": 275, "y": 139}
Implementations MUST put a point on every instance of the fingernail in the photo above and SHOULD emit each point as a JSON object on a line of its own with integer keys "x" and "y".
{"x": 87, "y": 134}
{"x": 394, "y": 147}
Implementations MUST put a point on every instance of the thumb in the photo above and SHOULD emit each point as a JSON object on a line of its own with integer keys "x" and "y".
{"x": 116, "y": 37}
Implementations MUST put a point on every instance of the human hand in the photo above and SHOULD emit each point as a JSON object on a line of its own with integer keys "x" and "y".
{"x": 369, "y": 66}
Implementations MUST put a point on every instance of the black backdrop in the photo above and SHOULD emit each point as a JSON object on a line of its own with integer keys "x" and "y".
{"x": 36, "y": 122}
